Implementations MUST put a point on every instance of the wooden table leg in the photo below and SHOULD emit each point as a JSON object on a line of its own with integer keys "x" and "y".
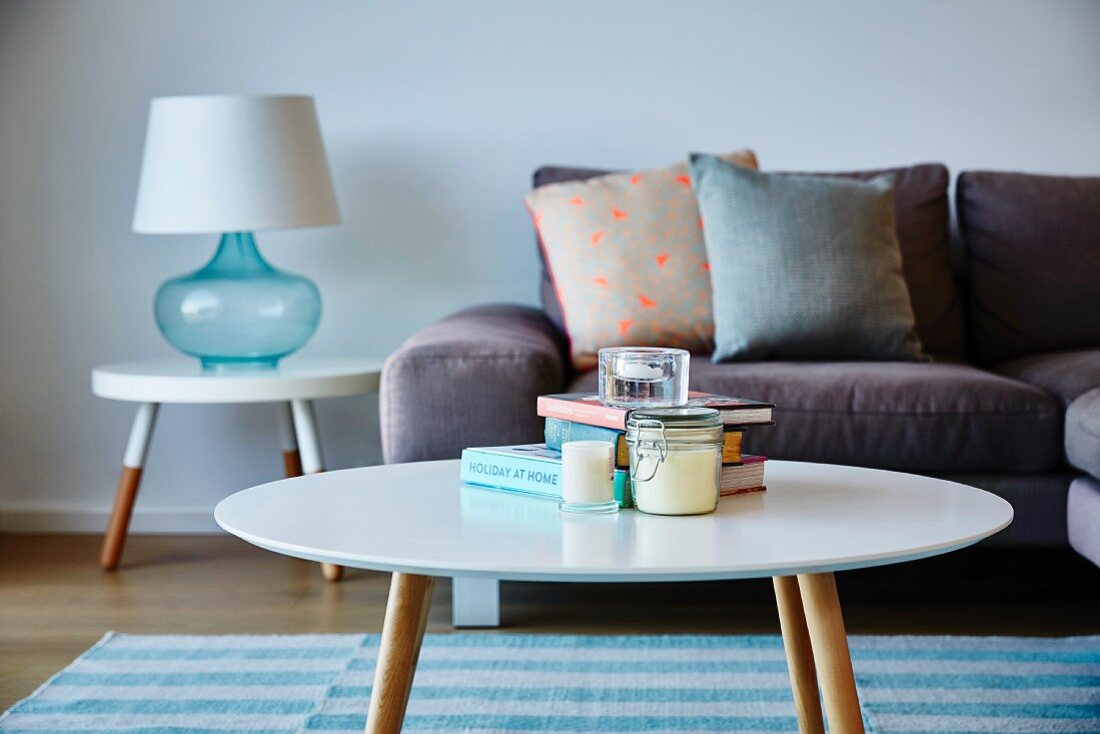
{"x": 402, "y": 633}
{"x": 800, "y": 657}
{"x": 332, "y": 572}
{"x": 292, "y": 463}
{"x": 830, "y": 648}
{"x": 288, "y": 442}
{"x": 308, "y": 450}
{"x": 132, "y": 464}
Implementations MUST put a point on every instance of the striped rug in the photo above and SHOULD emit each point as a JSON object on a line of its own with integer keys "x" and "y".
{"x": 535, "y": 683}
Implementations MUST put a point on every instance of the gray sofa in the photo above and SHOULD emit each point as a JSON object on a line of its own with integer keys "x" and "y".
{"x": 1010, "y": 310}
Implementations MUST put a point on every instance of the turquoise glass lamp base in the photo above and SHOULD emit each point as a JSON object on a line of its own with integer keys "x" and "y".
{"x": 238, "y": 312}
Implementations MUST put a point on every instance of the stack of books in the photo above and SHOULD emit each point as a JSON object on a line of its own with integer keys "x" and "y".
{"x": 536, "y": 468}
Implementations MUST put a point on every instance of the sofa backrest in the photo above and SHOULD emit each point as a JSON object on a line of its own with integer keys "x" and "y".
{"x": 923, "y": 223}
{"x": 1033, "y": 252}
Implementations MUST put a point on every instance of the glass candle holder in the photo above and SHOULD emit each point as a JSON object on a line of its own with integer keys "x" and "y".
{"x": 588, "y": 477}
{"x": 634, "y": 377}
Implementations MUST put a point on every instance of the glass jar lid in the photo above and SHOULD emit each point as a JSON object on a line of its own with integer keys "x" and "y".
{"x": 684, "y": 426}
{"x": 681, "y": 417}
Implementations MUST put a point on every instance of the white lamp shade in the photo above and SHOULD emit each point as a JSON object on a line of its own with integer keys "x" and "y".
{"x": 233, "y": 164}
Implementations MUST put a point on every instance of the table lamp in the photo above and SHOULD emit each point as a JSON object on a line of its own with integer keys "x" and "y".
{"x": 232, "y": 165}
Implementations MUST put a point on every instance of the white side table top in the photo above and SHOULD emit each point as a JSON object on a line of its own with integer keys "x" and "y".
{"x": 184, "y": 381}
{"x": 418, "y": 518}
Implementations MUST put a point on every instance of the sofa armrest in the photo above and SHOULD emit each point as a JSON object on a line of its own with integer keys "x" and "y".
{"x": 470, "y": 379}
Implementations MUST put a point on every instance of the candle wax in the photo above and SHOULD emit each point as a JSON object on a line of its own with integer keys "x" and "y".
{"x": 587, "y": 472}
{"x": 686, "y": 483}
{"x": 639, "y": 371}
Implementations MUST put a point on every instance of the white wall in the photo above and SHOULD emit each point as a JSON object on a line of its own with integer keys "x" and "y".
{"x": 434, "y": 115}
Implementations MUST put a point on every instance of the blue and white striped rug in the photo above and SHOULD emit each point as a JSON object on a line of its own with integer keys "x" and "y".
{"x": 532, "y": 683}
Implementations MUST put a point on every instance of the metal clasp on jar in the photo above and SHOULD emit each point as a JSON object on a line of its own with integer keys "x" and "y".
{"x": 659, "y": 445}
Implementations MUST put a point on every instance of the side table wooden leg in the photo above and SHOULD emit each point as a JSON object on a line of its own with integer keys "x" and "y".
{"x": 132, "y": 464}
{"x": 288, "y": 443}
{"x": 830, "y": 647}
{"x": 309, "y": 448}
{"x": 800, "y": 656}
{"x": 402, "y": 633}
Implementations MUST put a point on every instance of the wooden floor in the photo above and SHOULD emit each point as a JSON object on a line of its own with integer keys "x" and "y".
{"x": 55, "y": 602}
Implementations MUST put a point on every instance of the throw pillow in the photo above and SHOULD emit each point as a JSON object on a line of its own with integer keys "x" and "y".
{"x": 803, "y": 267}
{"x": 922, "y": 217}
{"x": 923, "y": 222}
{"x": 627, "y": 259}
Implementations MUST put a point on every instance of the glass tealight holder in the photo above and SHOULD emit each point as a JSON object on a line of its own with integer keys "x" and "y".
{"x": 649, "y": 377}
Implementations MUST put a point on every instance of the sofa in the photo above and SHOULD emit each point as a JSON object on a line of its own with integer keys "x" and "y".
{"x": 1006, "y": 295}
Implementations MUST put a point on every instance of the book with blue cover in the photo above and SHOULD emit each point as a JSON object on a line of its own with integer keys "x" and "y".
{"x": 535, "y": 469}
{"x": 528, "y": 469}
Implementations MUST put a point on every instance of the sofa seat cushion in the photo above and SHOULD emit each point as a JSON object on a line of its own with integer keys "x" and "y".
{"x": 911, "y": 416}
{"x": 1083, "y": 517}
{"x": 1065, "y": 374}
{"x": 1083, "y": 432}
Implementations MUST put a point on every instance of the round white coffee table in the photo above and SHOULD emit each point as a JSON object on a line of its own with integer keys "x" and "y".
{"x": 294, "y": 384}
{"x": 418, "y": 521}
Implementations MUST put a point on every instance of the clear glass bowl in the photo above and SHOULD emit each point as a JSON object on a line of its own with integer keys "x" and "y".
{"x": 633, "y": 377}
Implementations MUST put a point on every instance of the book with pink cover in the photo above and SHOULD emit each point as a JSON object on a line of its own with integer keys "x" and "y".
{"x": 587, "y": 408}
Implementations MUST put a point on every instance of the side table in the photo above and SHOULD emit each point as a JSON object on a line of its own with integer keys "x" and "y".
{"x": 293, "y": 385}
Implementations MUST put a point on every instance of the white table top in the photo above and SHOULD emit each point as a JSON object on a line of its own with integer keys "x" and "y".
{"x": 418, "y": 518}
{"x": 184, "y": 381}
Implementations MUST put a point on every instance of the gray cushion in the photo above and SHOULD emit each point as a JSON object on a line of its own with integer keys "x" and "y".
{"x": 1065, "y": 374}
{"x": 1033, "y": 245}
{"x": 912, "y": 416}
{"x": 1083, "y": 432}
{"x": 923, "y": 227}
{"x": 1083, "y": 518}
{"x": 923, "y": 221}
{"x": 802, "y": 267}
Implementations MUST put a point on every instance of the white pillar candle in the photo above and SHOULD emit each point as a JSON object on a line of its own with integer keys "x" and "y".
{"x": 587, "y": 473}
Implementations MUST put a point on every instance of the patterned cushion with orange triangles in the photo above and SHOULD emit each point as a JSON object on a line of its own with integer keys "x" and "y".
{"x": 626, "y": 254}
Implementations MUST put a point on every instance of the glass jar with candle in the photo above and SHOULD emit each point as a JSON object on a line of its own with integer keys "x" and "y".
{"x": 675, "y": 459}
